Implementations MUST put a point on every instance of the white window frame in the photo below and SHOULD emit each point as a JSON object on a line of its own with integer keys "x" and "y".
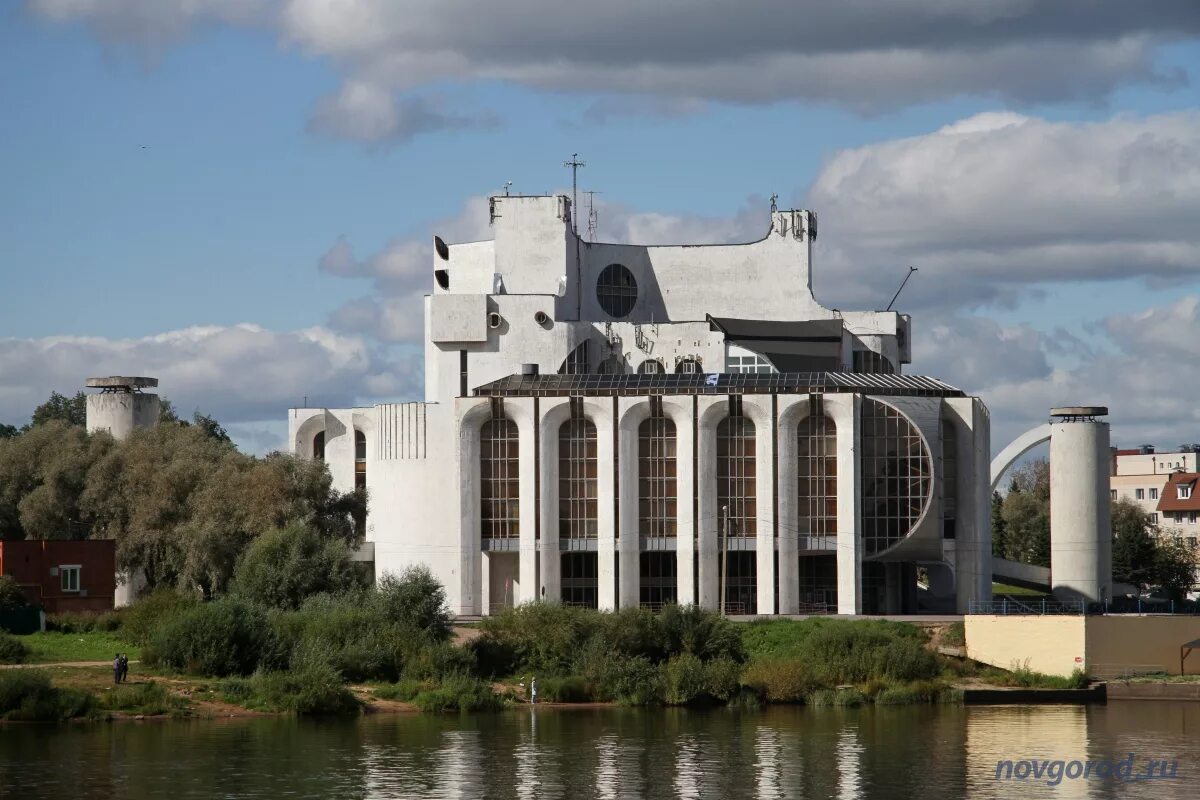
{"x": 1154, "y": 519}
{"x": 1139, "y": 494}
{"x": 1185, "y": 491}
{"x": 1153, "y": 493}
{"x": 1191, "y": 518}
{"x": 65, "y": 570}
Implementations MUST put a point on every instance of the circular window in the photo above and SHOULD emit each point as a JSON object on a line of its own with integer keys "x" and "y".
{"x": 616, "y": 289}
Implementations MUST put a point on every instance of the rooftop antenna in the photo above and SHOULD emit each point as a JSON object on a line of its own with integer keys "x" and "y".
{"x": 574, "y": 164}
{"x": 774, "y": 203}
{"x": 911, "y": 270}
{"x": 593, "y": 215}
{"x": 507, "y": 186}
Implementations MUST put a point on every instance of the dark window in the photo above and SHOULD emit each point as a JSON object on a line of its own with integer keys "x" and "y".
{"x": 816, "y": 485}
{"x": 895, "y": 476}
{"x": 818, "y": 584}
{"x": 741, "y": 581}
{"x": 657, "y": 489}
{"x": 580, "y": 579}
{"x": 949, "y": 479}
{"x": 576, "y": 362}
{"x": 659, "y": 580}
{"x": 500, "y": 482}
{"x": 737, "y": 498}
{"x": 687, "y": 366}
{"x": 577, "y": 471}
{"x": 651, "y": 366}
{"x": 319, "y": 445}
{"x": 616, "y": 290}
{"x": 360, "y": 446}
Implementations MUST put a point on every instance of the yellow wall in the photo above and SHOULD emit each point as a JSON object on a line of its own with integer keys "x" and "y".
{"x": 1056, "y": 645}
{"x": 1049, "y": 644}
{"x": 1131, "y": 641}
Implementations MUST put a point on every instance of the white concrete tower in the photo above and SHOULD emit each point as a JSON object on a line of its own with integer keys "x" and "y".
{"x": 1080, "y": 510}
{"x": 121, "y": 407}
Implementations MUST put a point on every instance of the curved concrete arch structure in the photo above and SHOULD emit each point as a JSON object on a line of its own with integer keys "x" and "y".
{"x": 1017, "y": 448}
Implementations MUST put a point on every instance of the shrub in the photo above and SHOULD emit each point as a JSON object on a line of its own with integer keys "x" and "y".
{"x": 403, "y": 691}
{"x": 12, "y": 649}
{"x": 684, "y": 680}
{"x": 459, "y": 694}
{"x": 284, "y": 566}
{"x": 955, "y": 635}
{"x": 18, "y": 684}
{"x": 701, "y": 632}
{"x": 27, "y": 695}
{"x": 632, "y": 632}
{"x": 440, "y": 662}
{"x": 1022, "y": 675}
{"x": 142, "y": 698}
{"x": 140, "y": 620}
{"x": 349, "y": 632}
{"x": 83, "y": 622}
{"x": 722, "y": 678}
{"x": 315, "y": 688}
{"x": 896, "y": 695}
{"x": 417, "y": 601}
{"x": 571, "y": 689}
{"x": 825, "y": 698}
{"x": 780, "y": 680}
{"x": 844, "y": 651}
{"x": 539, "y": 638}
{"x": 224, "y": 637}
{"x": 631, "y": 681}
{"x": 11, "y": 596}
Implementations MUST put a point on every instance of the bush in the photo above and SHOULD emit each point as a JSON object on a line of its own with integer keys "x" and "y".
{"x": 12, "y": 649}
{"x": 825, "y": 698}
{"x": 11, "y": 596}
{"x": 701, "y": 632}
{"x": 142, "y": 698}
{"x": 845, "y": 651}
{"x": 722, "y": 678}
{"x": 571, "y": 689}
{"x": 631, "y": 681}
{"x": 416, "y": 601}
{"x": 140, "y": 621}
{"x": 538, "y": 638}
{"x": 350, "y": 633}
{"x": 440, "y": 662}
{"x": 684, "y": 680}
{"x": 780, "y": 680}
{"x": 28, "y": 696}
{"x": 459, "y": 694}
{"x": 403, "y": 691}
{"x": 1022, "y": 675}
{"x": 224, "y": 637}
{"x": 284, "y": 566}
{"x": 83, "y": 622}
{"x": 896, "y": 696}
{"x": 315, "y": 688}
{"x": 955, "y": 635}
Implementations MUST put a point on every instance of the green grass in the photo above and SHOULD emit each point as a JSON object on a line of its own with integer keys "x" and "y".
{"x": 1004, "y": 588}
{"x": 52, "y": 647}
{"x": 1024, "y": 677}
{"x": 149, "y": 699}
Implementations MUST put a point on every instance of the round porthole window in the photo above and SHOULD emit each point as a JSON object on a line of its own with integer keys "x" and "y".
{"x": 616, "y": 290}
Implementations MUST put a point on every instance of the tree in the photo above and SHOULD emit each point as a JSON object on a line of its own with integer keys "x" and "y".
{"x": 71, "y": 410}
{"x": 416, "y": 600}
{"x": 8, "y": 431}
{"x": 1174, "y": 566}
{"x": 210, "y": 427}
{"x": 999, "y": 531}
{"x": 286, "y": 565}
{"x": 1134, "y": 552}
{"x": 1025, "y": 515}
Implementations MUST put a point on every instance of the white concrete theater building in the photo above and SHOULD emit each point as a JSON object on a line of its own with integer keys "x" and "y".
{"x": 615, "y": 425}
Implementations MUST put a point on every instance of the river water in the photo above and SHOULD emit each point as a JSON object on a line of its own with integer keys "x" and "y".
{"x": 931, "y": 752}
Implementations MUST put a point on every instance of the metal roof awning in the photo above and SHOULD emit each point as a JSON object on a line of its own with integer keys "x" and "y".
{"x": 791, "y": 346}
{"x": 718, "y": 384}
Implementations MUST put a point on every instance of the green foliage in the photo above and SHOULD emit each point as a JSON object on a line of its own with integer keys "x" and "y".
{"x": 780, "y": 680}
{"x": 1174, "y": 566}
{"x": 312, "y": 688}
{"x": 459, "y": 694}
{"x": 83, "y": 621}
{"x": 955, "y": 635}
{"x": 999, "y": 531}
{"x": 1133, "y": 549}
{"x": 28, "y": 696}
{"x": 8, "y": 431}
{"x": 284, "y": 566}
{"x": 59, "y": 407}
{"x": 149, "y": 699}
{"x": 403, "y": 691}
{"x": 701, "y": 632}
{"x": 684, "y": 680}
{"x": 12, "y": 649}
{"x": 1021, "y": 675}
{"x": 1026, "y": 514}
{"x": 629, "y": 680}
{"x": 51, "y": 647}
{"x": 416, "y": 600}
{"x": 224, "y": 637}
{"x": 571, "y": 689}
{"x": 140, "y": 620}
{"x": 210, "y": 428}
{"x": 11, "y": 595}
{"x": 722, "y": 678}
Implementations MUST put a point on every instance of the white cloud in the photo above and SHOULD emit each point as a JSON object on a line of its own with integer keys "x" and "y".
{"x": 241, "y": 374}
{"x": 375, "y": 115}
{"x": 858, "y": 54}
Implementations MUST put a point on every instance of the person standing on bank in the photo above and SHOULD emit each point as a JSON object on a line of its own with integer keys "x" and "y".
{"x": 117, "y": 668}
{"x": 124, "y": 667}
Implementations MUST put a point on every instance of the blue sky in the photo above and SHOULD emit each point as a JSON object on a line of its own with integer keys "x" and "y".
{"x": 169, "y": 166}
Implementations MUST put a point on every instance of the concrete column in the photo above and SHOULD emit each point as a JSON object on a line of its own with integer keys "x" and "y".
{"x": 465, "y": 597}
{"x": 791, "y": 411}
{"x": 712, "y": 411}
{"x": 633, "y": 411}
{"x": 685, "y": 541}
{"x": 520, "y": 410}
{"x": 973, "y": 535}
{"x": 1080, "y": 510}
{"x": 485, "y": 580}
{"x": 843, "y": 409}
{"x": 599, "y": 411}
{"x": 554, "y": 413}
{"x": 758, "y": 408}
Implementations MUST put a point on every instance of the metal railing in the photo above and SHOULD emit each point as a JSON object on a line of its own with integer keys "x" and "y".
{"x": 1008, "y": 607}
{"x": 815, "y": 608}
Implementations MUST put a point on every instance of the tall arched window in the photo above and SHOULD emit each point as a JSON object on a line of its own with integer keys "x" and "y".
{"x": 360, "y": 460}
{"x": 499, "y": 480}
{"x": 737, "y": 489}
{"x": 657, "y": 484}
{"x": 896, "y": 472}
{"x": 816, "y": 484}
{"x": 319, "y": 446}
{"x": 577, "y": 471}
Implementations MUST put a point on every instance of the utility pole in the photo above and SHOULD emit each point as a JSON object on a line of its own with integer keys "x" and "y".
{"x": 724, "y": 554}
{"x": 574, "y": 164}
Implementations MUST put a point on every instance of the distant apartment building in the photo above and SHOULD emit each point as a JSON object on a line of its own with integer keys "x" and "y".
{"x": 1163, "y": 485}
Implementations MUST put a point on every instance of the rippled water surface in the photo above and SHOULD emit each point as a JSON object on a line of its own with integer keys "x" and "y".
{"x": 929, "y": 752}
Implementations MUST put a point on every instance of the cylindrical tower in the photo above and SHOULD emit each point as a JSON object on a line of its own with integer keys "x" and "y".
{"x": 121, "y": 406}
{"x": 1080, "y": 509}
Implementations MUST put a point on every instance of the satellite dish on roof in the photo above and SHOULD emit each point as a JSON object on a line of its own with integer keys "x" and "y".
{"x": 442, "y": 249}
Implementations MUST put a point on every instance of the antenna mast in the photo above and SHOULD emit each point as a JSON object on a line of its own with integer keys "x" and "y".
{"x": 911, "y": 270}
{"x": 593, "y": 216}
{"x": 574, "y": 164}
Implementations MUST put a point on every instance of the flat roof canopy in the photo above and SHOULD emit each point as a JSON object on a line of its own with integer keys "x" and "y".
{"x": 718, "y": 384}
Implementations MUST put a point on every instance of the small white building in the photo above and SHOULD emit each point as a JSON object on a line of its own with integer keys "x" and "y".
{"x": 615, "y": 425}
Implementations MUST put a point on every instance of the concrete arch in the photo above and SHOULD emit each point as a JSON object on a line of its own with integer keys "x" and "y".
{"x": 902, "y": 548}
{"x": 305, "y": 433}
{"x": 1017, "y": 448}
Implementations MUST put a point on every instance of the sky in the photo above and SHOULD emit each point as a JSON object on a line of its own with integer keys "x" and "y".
{"x": 238, "y": 196}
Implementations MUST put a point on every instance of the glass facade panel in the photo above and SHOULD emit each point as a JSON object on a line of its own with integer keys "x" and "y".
{"x": 896, "y": 476}
{"x": 737, "y": 487}
{"x": 657, "y": 478}
{"x": 580, "y": 579}
{"x": 500, "y": 482}
{"x": 578, "y": 500}
{"x": 816, "y": 479}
